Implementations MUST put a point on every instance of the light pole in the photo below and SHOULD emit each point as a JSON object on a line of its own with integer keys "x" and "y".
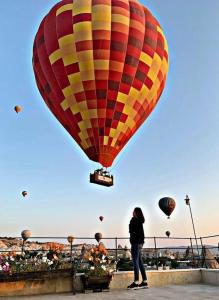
{"x": 187, "y": 200}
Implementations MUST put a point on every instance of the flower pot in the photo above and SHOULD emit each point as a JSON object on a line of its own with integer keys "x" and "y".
{"x": 96, "y": 283}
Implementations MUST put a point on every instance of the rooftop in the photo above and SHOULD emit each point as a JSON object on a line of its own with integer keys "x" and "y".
{"x": 179, "y": 292}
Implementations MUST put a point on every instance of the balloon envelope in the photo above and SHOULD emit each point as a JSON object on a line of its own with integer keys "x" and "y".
{"x": 70, "y": 239}
{"x": 17, "y": 108}
{"x": 167, "y": 205}
{"x": 100, "y": 74}
{"x": 26, "y": 234}
{"x": 101, "y": 218}
{"x": 168, "y": 233}
{"x": 24, "y": 193}
{"x": 98, "y": 236}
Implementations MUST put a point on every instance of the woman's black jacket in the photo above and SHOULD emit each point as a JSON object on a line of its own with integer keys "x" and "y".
{"x": 136, "y": 231}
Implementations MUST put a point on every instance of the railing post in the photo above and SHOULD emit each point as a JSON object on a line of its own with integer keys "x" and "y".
{"x": 71, "y": 259}
{"x": 203, "y": 254}
{"x": 193, "y": 258}
{"x": 116, "y": 246}
{"x": 22, "y": 248}
{"x": 155, "y": 248}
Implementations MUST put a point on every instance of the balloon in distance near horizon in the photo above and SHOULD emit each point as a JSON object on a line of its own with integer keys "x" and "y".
{"x": 101, "y": 69}
{"x": 70, "y": 239}
{"x": 167, "y": 233}
{"x": 98, "y": 236}
{"x": 167, "y": 205}
{"x": 26, "y": 234}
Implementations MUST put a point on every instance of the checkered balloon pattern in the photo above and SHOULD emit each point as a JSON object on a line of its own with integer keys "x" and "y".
{"x": 101, "y": 67}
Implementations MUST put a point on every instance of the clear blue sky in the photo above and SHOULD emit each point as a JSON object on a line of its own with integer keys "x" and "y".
{"x": 176, "y": 151}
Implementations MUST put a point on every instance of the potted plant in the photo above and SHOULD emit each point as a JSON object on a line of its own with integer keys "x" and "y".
{"x": 98, "y": 268}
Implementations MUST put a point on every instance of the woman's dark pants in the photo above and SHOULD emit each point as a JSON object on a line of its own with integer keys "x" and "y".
{"x": 137, "y": 261}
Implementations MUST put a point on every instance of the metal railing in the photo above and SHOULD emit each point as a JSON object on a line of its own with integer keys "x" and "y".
{"x": 155, "y": 250}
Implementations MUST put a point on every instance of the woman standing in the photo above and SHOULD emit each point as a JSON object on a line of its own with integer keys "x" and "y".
{"x": 137, "y": 240}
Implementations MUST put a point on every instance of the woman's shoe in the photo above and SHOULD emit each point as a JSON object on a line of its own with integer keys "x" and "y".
{"x": 133, "y": 286}
{"x": 143, "y": 285}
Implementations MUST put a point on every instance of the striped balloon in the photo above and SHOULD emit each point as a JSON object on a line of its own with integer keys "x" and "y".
{"x": 100, "y": 66}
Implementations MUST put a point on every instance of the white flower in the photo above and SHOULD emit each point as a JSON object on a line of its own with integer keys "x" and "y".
{"x": 7, "y": 264}
{"x": 103, "y": 267}
{"x": 92, "y": 268}
{"x": 0, "y": 268}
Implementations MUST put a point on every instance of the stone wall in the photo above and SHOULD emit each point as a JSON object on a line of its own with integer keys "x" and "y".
{"x": 210, "y": 276}
{"x": 120, "y": 281}
{"x": 159, "y": 278}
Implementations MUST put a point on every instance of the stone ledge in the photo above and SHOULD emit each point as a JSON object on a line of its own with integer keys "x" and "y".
{"x": 159, "y": 278}
{"x": 210, "y": 276}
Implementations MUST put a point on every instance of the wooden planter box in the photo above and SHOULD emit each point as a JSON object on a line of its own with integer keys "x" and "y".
{"x": 96, "y": 283}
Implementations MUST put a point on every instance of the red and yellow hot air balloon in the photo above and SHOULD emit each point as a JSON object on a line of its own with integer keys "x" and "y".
{"x": 101, "y": 67}
{"x": 17, "y": 108}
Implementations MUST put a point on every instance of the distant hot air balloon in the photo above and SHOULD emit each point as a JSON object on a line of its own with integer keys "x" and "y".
{"x": 17, "y": 108}
{"x": 70, "y": 239}
{"x": 101, "y": 67}
{"x": 168, "y": 234}
{"x": 167, "y": 205}
{"x": 26, "y": 234}
{"x": 24, "y": 193}
{"x": 98, "y": 236}
{"x": 101, "y": 218}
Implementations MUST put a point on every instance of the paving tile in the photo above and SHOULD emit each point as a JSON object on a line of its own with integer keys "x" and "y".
{"x": 173, "y": 292}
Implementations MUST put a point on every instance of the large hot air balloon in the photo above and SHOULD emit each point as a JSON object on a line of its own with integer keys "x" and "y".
{"x": 167, "y": 205}
{"x": 101, "y": 68}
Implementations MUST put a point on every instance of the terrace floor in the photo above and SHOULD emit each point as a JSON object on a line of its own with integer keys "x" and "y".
{"x": 177, "y": 292}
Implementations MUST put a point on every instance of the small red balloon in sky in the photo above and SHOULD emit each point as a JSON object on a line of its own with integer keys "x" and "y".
{"x": 17, "y": 108}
